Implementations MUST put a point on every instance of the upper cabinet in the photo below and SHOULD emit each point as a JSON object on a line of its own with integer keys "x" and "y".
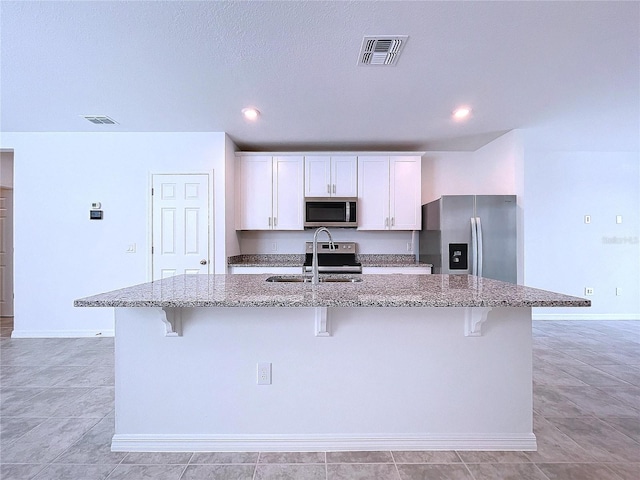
{"x": 269, "y": 192}
{"x": 330, "y": 176}
{"x": 389, "y": 193}
{"x": 271, "y": 187}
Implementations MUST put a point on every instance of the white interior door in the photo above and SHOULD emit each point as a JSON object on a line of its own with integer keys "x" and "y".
{"x": 6, "y": 252}
{"x": 180, "y": 243}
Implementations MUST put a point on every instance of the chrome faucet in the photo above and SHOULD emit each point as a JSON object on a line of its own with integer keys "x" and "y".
{"x": 314, "y": 264}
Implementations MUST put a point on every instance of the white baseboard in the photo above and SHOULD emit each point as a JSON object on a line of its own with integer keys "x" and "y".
{"x": 325, "y": 442}
{"x": 61, "y": 333}
{"x": 585, "y": 316}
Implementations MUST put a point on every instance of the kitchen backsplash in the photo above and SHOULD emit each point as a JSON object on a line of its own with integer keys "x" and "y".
{"x": 292, "y": 242}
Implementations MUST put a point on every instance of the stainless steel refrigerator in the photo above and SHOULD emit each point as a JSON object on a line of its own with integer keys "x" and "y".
{"x": 471, "y": 234}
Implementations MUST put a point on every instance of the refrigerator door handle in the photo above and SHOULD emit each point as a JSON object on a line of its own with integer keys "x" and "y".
{"x": 479, "y": 251}
{"x": 474, "y": 247}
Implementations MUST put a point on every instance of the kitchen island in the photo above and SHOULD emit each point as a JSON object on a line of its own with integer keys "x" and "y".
{"x": 393, "y": 362}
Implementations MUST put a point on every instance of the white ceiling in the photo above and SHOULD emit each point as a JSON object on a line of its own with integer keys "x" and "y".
{"x": 569, "y": 70}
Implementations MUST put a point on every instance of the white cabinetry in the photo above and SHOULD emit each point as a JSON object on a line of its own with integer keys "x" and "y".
{"x": 269, "y": 193}
{"x": 330, "y": 176}
{"x": 389, "y": 193}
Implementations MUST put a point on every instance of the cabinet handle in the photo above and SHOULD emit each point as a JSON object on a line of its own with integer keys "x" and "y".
{"x": 386, "y": 222}
{"x": 269, "y": 221}
{"x": 328, "y": 188}
{"x": 275, "y": 221}
{"x": 334, "y": 188}
{"x": 393, "y": 221}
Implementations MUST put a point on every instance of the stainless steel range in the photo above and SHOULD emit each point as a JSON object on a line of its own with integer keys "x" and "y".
{"x": 342, "y": 259}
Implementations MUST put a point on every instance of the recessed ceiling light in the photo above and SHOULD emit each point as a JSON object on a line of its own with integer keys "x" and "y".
{"x": 250, "y": 113}
{"x": 461, "y": 113}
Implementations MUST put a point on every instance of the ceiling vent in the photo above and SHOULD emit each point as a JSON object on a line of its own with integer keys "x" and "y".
{"x": 100, "y": 119}
{"x": 381, "y": 49}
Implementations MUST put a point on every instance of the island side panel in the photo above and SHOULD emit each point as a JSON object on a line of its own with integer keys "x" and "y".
{"x": 405, "y": 376}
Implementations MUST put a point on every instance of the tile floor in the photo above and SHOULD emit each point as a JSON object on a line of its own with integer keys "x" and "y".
{"x": 6, "y": 326}
{"x": 56, "y": 420}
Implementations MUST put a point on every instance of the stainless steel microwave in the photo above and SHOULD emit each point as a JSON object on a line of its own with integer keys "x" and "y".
{"x": 330, "y": 212}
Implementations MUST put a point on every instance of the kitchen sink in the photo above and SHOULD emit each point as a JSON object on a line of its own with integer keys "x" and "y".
{"x": 281, "y": 279}
{"x": 300, "y": 279}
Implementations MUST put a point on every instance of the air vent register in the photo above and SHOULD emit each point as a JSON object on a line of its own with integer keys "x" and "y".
{"x": 381, "y": 50}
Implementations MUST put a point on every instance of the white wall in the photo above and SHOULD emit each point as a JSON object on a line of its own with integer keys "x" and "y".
{"x": 555, "y": 190}
{"x": 490, "y": 170}
{"x": 567, "y": 255}
{"x": 61, "y": 255}
{"x": 495, "y": 169}
{"x": 232, "y": 242}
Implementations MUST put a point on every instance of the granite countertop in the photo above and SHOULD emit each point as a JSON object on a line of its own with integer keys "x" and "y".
{"x": 266, "y": 260}
{"x": 296, "y": 260}
{"x": 389, "y": 260}
{"x": 373, "y": 291}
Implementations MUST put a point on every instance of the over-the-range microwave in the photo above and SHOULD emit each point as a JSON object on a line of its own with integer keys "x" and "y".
{"x": 330, "y": 212}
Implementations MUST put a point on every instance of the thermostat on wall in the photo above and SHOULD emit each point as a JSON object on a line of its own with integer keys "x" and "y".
{"x": 96, "y": 205}
{"x": 95, "y": 214}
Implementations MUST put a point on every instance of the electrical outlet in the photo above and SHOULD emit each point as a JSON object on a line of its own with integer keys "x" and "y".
{"x": 618, "y": 218}
{"x": 274, "y": 246}
{"x": 588, "y": 290}
{"x": 587, "y": 219}
{"x": 409, "y": 247}
{"x": 264, "y": 373}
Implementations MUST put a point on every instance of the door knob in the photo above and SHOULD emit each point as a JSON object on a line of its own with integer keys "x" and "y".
{"x": 203, "y": 262}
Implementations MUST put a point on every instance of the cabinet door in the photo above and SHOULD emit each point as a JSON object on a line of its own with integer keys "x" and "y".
{"x": 344, "y": 176}
{"x": 317, "y": 176}
{"x": 254, "y": 193}
{"x": 373, "y": 193}
{"x": 405, "y": 193}
{"x": 288, "y": 193}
